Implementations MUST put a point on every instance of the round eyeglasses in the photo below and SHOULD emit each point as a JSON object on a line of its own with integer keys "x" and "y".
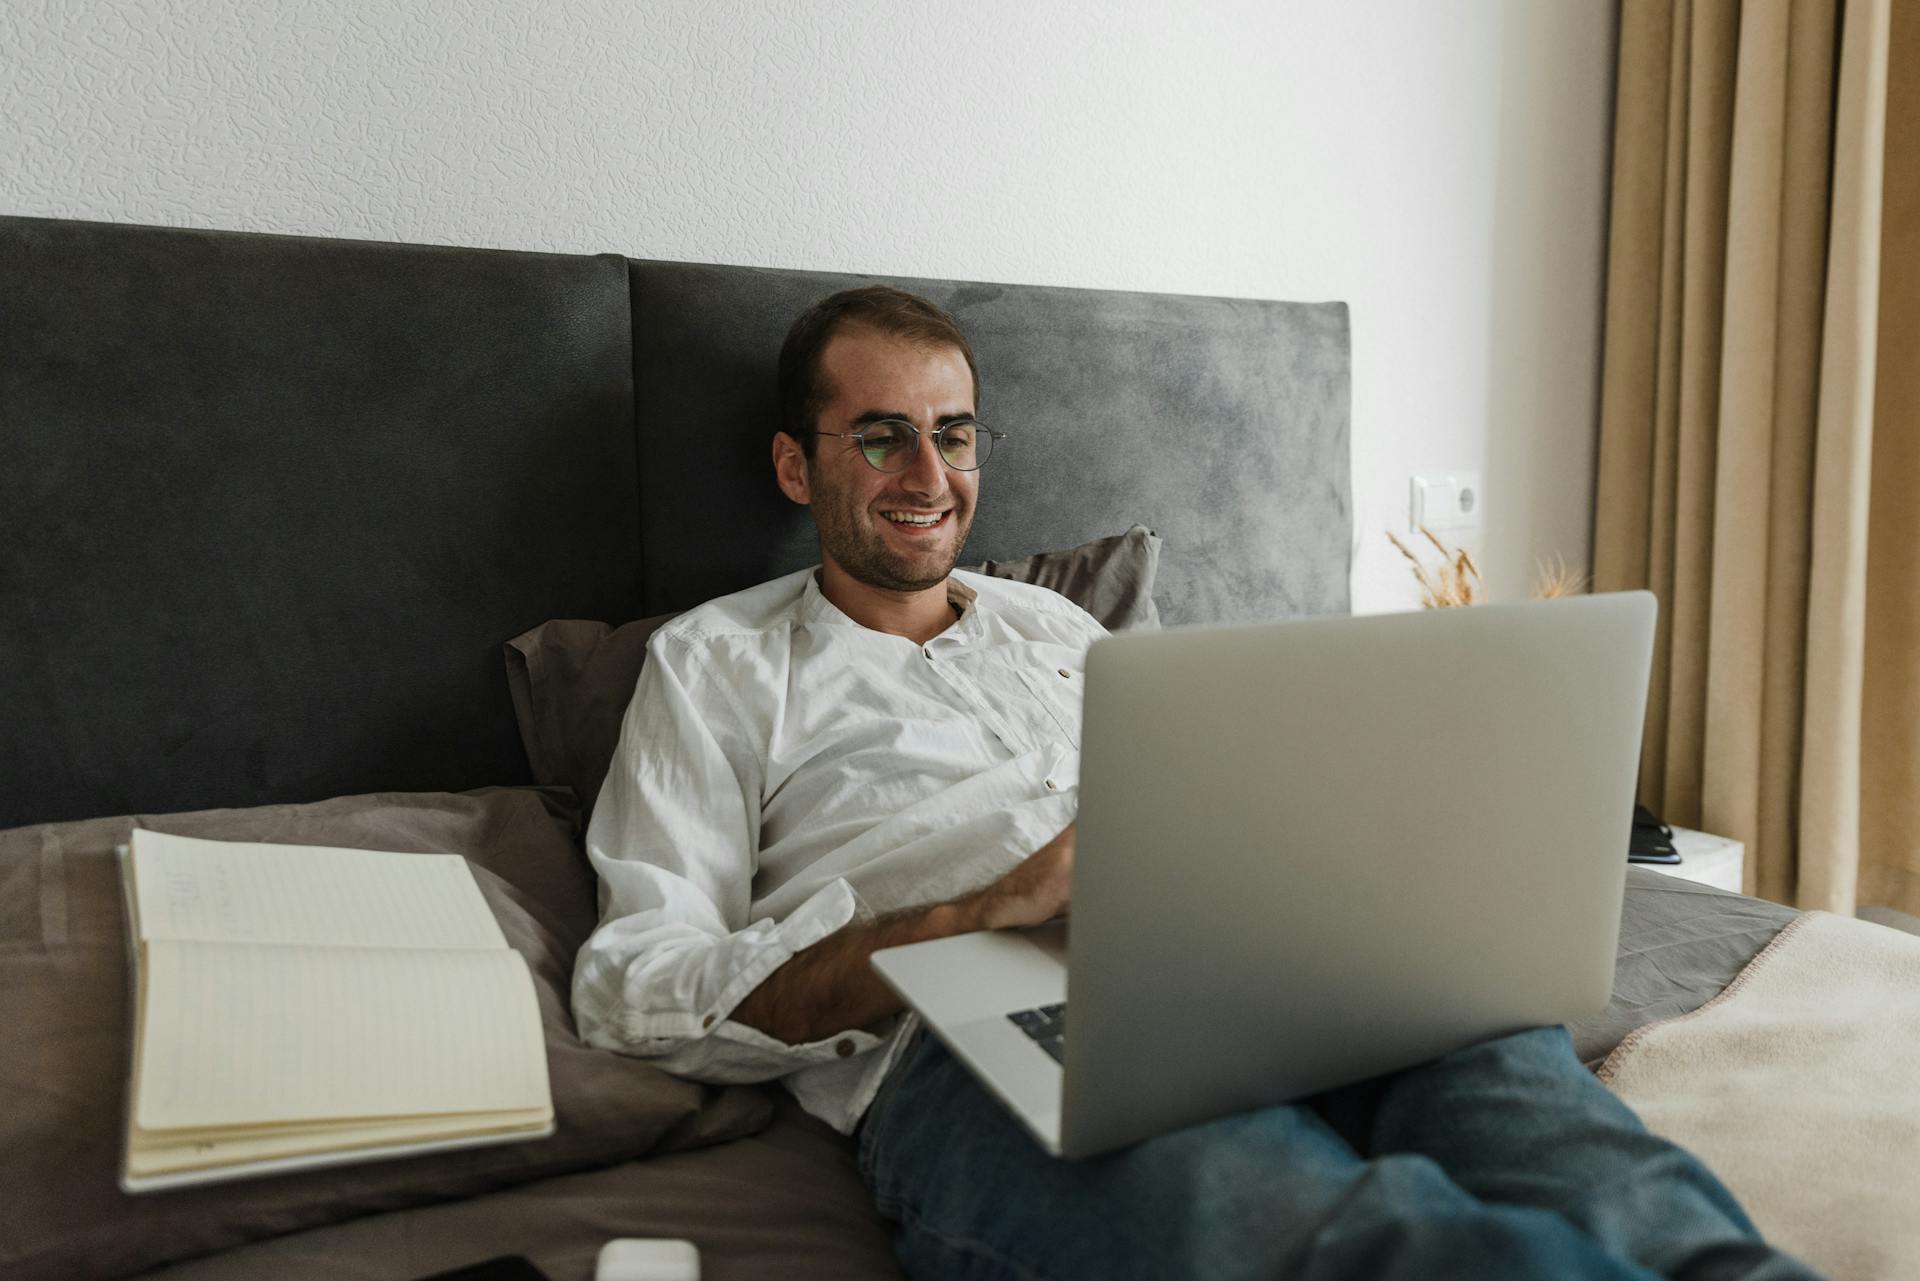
{"x": 891, "y": 444}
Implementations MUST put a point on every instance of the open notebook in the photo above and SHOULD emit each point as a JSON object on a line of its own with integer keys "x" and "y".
{"x": 297, "y": 1006}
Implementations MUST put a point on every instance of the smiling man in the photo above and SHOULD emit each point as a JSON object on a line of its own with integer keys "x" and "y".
{"x": 873, "y": 752}
{"x": 885, "y": 749}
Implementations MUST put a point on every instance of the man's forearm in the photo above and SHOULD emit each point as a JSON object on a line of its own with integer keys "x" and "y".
{"x": 830, "y": 987}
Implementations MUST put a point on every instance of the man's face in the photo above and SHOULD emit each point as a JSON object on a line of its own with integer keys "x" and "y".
{"x": 861, "y": 512}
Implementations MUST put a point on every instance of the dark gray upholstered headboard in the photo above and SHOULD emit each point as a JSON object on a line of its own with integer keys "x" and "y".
{"x": 269, "y": 505}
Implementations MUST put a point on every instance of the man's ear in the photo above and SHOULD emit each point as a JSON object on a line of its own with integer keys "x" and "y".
{"x": 790, "y": 468}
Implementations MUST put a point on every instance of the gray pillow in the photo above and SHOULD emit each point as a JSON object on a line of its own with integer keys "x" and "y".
{"x": 572, "y": 679}
{"x": 63, "y": 1003}
{"x": 1110, "y": 578}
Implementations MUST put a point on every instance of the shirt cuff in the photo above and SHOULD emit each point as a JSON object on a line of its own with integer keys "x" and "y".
{"x": 706, "y": 1043}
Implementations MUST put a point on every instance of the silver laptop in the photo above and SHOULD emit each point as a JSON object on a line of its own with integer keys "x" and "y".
{"x": 1311, "y": 852}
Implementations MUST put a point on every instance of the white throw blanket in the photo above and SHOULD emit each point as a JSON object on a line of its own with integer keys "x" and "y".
{"x": 1800, "y": 1087}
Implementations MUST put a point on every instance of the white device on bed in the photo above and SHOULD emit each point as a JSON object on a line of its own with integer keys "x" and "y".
{"x": 647, "y": 1259}
{"x": 1312, "y": 852}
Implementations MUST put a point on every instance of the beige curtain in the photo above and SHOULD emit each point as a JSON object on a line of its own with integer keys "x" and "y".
{"x": 1757, "y": 436}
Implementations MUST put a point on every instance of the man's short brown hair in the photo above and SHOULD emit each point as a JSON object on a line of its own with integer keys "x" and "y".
{"x": 893, "y": 312}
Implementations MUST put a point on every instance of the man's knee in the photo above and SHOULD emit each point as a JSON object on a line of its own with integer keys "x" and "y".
{"x": 1406, "y": 1219}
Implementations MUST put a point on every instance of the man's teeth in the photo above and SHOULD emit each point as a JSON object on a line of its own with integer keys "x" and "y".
{"x": 906, "y": 518}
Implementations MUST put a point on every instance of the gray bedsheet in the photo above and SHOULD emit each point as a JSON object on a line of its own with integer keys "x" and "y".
{"x": 788, "y": 1202}
{"x": 1680, "y": 945}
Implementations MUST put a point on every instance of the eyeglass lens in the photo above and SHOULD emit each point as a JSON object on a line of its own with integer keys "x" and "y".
{"x": 890, "y": 446}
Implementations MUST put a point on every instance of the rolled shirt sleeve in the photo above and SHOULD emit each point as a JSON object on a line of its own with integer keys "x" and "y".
{"x": 674, "y": 838}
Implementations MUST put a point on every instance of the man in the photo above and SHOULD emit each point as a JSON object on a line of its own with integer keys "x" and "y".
{"x": 883, "y": 750}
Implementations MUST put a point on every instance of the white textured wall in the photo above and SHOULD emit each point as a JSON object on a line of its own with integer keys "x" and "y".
{"x": 1441, "y": 167}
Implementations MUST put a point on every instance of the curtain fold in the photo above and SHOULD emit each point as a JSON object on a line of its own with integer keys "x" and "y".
{"x": 1776, "y": 236}
{"x": 1830, "y": 793}
{"x": 1890, "y": 729}
{"x": 1737, "y": 447}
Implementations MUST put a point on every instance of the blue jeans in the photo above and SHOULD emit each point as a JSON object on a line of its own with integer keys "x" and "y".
{"x": 1503, "y": 1160}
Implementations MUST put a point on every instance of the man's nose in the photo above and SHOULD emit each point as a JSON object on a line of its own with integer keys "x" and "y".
{"x": 927, "y": 472}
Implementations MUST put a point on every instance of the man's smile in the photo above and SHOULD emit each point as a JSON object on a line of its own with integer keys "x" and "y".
{"x": 913, "y": 521}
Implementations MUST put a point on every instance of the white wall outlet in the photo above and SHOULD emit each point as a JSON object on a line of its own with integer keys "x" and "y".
{"x": 1451, "y": 500}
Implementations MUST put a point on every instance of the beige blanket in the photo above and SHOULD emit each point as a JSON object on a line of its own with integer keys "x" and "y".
{"x": 1800, "y": 1087}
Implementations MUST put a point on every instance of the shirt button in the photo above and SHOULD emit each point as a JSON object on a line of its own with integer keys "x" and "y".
{"x": 1065, "y": 673}
{"x": 928, "y": 653}
{"x": 1052, "y": 786}
{"x": 843, "y": 1047}
{"x": 707, "y": 1022}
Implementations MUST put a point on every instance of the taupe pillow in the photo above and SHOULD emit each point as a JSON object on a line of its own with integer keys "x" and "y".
{"x": 64, "y": 1008}
{"x": 572, "y": 679}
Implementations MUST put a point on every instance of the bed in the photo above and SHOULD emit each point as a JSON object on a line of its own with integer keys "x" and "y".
{"x": 276, "y": 511}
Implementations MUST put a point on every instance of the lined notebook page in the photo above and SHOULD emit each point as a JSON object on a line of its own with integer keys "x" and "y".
{"x": 229, "y": 891}
{"x": 238, "y": 1035}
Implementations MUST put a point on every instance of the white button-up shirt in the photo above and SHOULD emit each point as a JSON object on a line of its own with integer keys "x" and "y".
{"x": 783, "y": 770}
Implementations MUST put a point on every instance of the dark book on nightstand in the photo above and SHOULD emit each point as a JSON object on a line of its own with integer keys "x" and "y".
{"x": 1651, "y": 841}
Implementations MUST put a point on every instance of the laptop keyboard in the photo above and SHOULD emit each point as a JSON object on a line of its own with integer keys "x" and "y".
{"x": 1047, "y": 1025}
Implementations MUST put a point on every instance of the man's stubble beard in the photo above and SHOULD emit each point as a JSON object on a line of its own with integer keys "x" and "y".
{"x": 867, "y": 559}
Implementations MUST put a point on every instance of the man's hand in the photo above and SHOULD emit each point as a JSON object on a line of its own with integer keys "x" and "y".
{"x": 1032, "y": 893}
{"x": 831, "y": 986}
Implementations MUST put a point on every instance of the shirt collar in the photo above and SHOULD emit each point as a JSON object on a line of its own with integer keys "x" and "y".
{"x": 816, "y": 608}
